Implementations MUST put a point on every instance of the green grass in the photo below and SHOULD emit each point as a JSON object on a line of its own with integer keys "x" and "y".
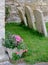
{"x": 37, "y": 44}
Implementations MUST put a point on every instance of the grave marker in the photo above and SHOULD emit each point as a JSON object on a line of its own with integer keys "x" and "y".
{"x": 30, "y": 17}
{"x": 40, "y": 23}
{"x": 22, "y": 15}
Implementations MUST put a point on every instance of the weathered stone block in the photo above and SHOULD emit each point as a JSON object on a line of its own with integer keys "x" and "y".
{"x": 3, "y": 55}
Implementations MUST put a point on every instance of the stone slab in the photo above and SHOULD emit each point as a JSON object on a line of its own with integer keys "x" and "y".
{"x": 3, "y": 55}
{"x": 10, "y": 51}
{"x": 6, "y": 63}
{"x": 40, "y": 23}
{"x": 22, "y": 15}
{"x": 2, "y": 18}
{"x": 30, "y": 17}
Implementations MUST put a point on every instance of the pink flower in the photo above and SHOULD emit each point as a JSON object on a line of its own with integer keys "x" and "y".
{"x": 18, "y": 38}
{"x": 17, "y": 53}
{"x": 25, "y": 50}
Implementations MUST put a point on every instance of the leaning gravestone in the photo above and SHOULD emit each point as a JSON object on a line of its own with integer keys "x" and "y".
{"x": 22, "y": 15}
{"x": 30, "y": 17}
{"x": 40, "y": 22}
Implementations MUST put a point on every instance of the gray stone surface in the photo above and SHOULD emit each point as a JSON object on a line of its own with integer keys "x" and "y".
{"x": 3, "y": 55}
{"x": 6, "y": 63}
{"x": 10, "y": 51}
{"x": 21, "y": 64}
{"x": 2, "y": 17}
{"x": 2, "y": 32}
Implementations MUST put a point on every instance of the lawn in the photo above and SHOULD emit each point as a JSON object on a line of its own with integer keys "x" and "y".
{"x": 36, "y": 43}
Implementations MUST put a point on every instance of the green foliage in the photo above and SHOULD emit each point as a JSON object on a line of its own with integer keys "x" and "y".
{"x": 9, "y": 41}
{"x": 15, "y": 56}
{"x": 22, "y": 46}
{"x": 36, "y": 43}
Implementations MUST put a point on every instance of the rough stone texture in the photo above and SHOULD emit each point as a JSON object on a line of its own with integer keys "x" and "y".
{"x": 42, "y": 63}
{"x": 6, "y": 63}
{"x": 3, "y": 55}
{"x": 13, "y": 10}
{"x": 20, "y": 3}
{"x": 2, "y": 33}
{"x": 2, "y": 17}
{"x": 10, "y": 51}
{"x": 40, "y": 23}
{"x": 30, "y": 17}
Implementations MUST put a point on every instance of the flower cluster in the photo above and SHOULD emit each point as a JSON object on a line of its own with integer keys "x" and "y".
{"x": 18, "y": 38}
{"x": 15, "y": 41}
{"x": 17, "y": 55}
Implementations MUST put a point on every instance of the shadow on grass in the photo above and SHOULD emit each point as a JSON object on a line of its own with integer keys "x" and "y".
{"x": 31, "y": 31}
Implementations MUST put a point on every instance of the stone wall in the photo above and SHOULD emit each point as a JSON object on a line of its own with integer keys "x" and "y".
{"x": 13, "y": 10}
{"x": 2, "y": 18}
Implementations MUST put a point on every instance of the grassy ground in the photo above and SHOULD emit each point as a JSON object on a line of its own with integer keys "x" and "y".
{"x": 36, "y": 43}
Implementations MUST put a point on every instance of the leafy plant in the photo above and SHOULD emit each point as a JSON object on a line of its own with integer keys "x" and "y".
{"x": 12, "y": 41}
{"x": 9, "y": 41}
{"x": 22, "y": 46}
{"x": 15, "y": 56}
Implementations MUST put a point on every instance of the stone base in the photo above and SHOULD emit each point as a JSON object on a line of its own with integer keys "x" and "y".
{"x": 3, "y": 55}
{"x": 6, "y": 63}
{"x": 3, "y": 58}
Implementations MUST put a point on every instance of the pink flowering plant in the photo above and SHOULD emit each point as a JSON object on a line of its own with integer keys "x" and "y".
{"x": 19, "y": 54}
{"x": 18, "y": 40}
{"x": 15, "y": 41}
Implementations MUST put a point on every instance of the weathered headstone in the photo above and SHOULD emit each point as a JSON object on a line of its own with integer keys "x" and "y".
{"x": 30, "y": 17}
{"x": 22, "y": 15}
{"x": 40, "y": 22}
